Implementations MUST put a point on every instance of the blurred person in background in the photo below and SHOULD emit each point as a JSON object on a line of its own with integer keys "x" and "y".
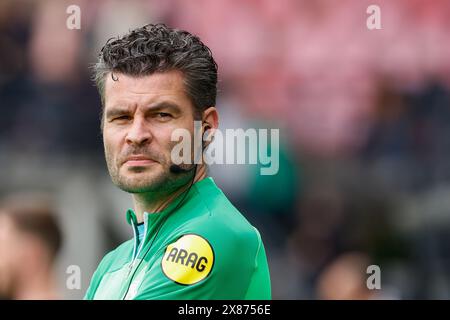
{"x": 345, "y": 278}
{"x": 30, "y": 239}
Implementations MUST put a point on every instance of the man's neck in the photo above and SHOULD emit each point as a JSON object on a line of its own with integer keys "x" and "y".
{"x": 143, "y": 203}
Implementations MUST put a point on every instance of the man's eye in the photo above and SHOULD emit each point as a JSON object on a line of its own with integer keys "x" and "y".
{"x": 164, "y": 115}
{"x": 121, "y": 118}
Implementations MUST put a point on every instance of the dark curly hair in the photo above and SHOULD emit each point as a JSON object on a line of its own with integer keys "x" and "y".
{"x": 158, "y": 48}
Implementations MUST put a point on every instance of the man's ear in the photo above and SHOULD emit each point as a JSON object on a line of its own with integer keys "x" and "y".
{"x": 210, "y": 121}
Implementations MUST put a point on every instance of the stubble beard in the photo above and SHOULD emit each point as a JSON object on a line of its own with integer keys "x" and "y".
{"x": 138, "y": 179}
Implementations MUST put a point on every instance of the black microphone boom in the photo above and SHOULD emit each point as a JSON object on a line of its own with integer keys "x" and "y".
{"x": 174, "y": 168}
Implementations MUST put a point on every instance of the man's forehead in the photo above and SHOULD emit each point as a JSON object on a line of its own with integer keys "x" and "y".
{"x": 145, "y": 84}
{"x": 158, "y": 85}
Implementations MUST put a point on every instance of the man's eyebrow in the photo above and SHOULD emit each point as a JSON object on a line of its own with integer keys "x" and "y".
{"x": 164, "y": 106}
{"x": 115, "y": 111}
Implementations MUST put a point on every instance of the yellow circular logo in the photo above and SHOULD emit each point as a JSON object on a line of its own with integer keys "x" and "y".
{"x": 188, "y": 260}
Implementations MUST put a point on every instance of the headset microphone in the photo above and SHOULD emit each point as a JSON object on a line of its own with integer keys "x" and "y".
{"x": 174, "y": 168}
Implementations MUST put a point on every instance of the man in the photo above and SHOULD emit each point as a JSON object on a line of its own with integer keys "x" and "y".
{"x": 189, "y": 241}
{"x": 30, "y": 239}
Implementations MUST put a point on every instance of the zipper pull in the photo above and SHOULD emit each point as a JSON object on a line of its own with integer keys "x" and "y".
{"x": 130, "y": 267}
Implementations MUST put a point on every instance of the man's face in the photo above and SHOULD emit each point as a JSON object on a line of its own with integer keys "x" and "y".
{"x": 139, "y": 117}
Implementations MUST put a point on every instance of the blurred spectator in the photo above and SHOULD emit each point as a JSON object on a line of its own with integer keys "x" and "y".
{"x": 346, "y": 279}
{"x": 30, "y": 240}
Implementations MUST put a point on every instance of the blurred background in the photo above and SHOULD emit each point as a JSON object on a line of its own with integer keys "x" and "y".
{"x": 364, "y": 130}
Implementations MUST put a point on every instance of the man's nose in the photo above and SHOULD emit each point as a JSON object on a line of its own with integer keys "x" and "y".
{"x": 139, "y": 133}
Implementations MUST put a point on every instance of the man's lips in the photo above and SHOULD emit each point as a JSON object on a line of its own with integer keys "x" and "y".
{"x": 135, "y": 161}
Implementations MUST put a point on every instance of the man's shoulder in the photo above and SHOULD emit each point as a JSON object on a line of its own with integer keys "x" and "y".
{"x": 217, "y": 216}
{"x": 223, "y": 249}
{"x": 223, "y": 226}
{"x": 215, "y": 203}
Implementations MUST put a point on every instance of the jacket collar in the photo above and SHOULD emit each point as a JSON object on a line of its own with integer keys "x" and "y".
{"x": 153, "y": 220}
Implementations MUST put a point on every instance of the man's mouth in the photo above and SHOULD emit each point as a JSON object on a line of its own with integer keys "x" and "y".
{"x": 139, "y": 161}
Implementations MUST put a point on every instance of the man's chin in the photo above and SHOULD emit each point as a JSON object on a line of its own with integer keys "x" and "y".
{"x": 135, "y": 189}
{"x": 131, "y": 187}
{"x": 140, "y": 182}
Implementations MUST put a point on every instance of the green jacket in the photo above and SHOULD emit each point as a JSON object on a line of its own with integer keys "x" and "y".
{"x": 201, "y": 249}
